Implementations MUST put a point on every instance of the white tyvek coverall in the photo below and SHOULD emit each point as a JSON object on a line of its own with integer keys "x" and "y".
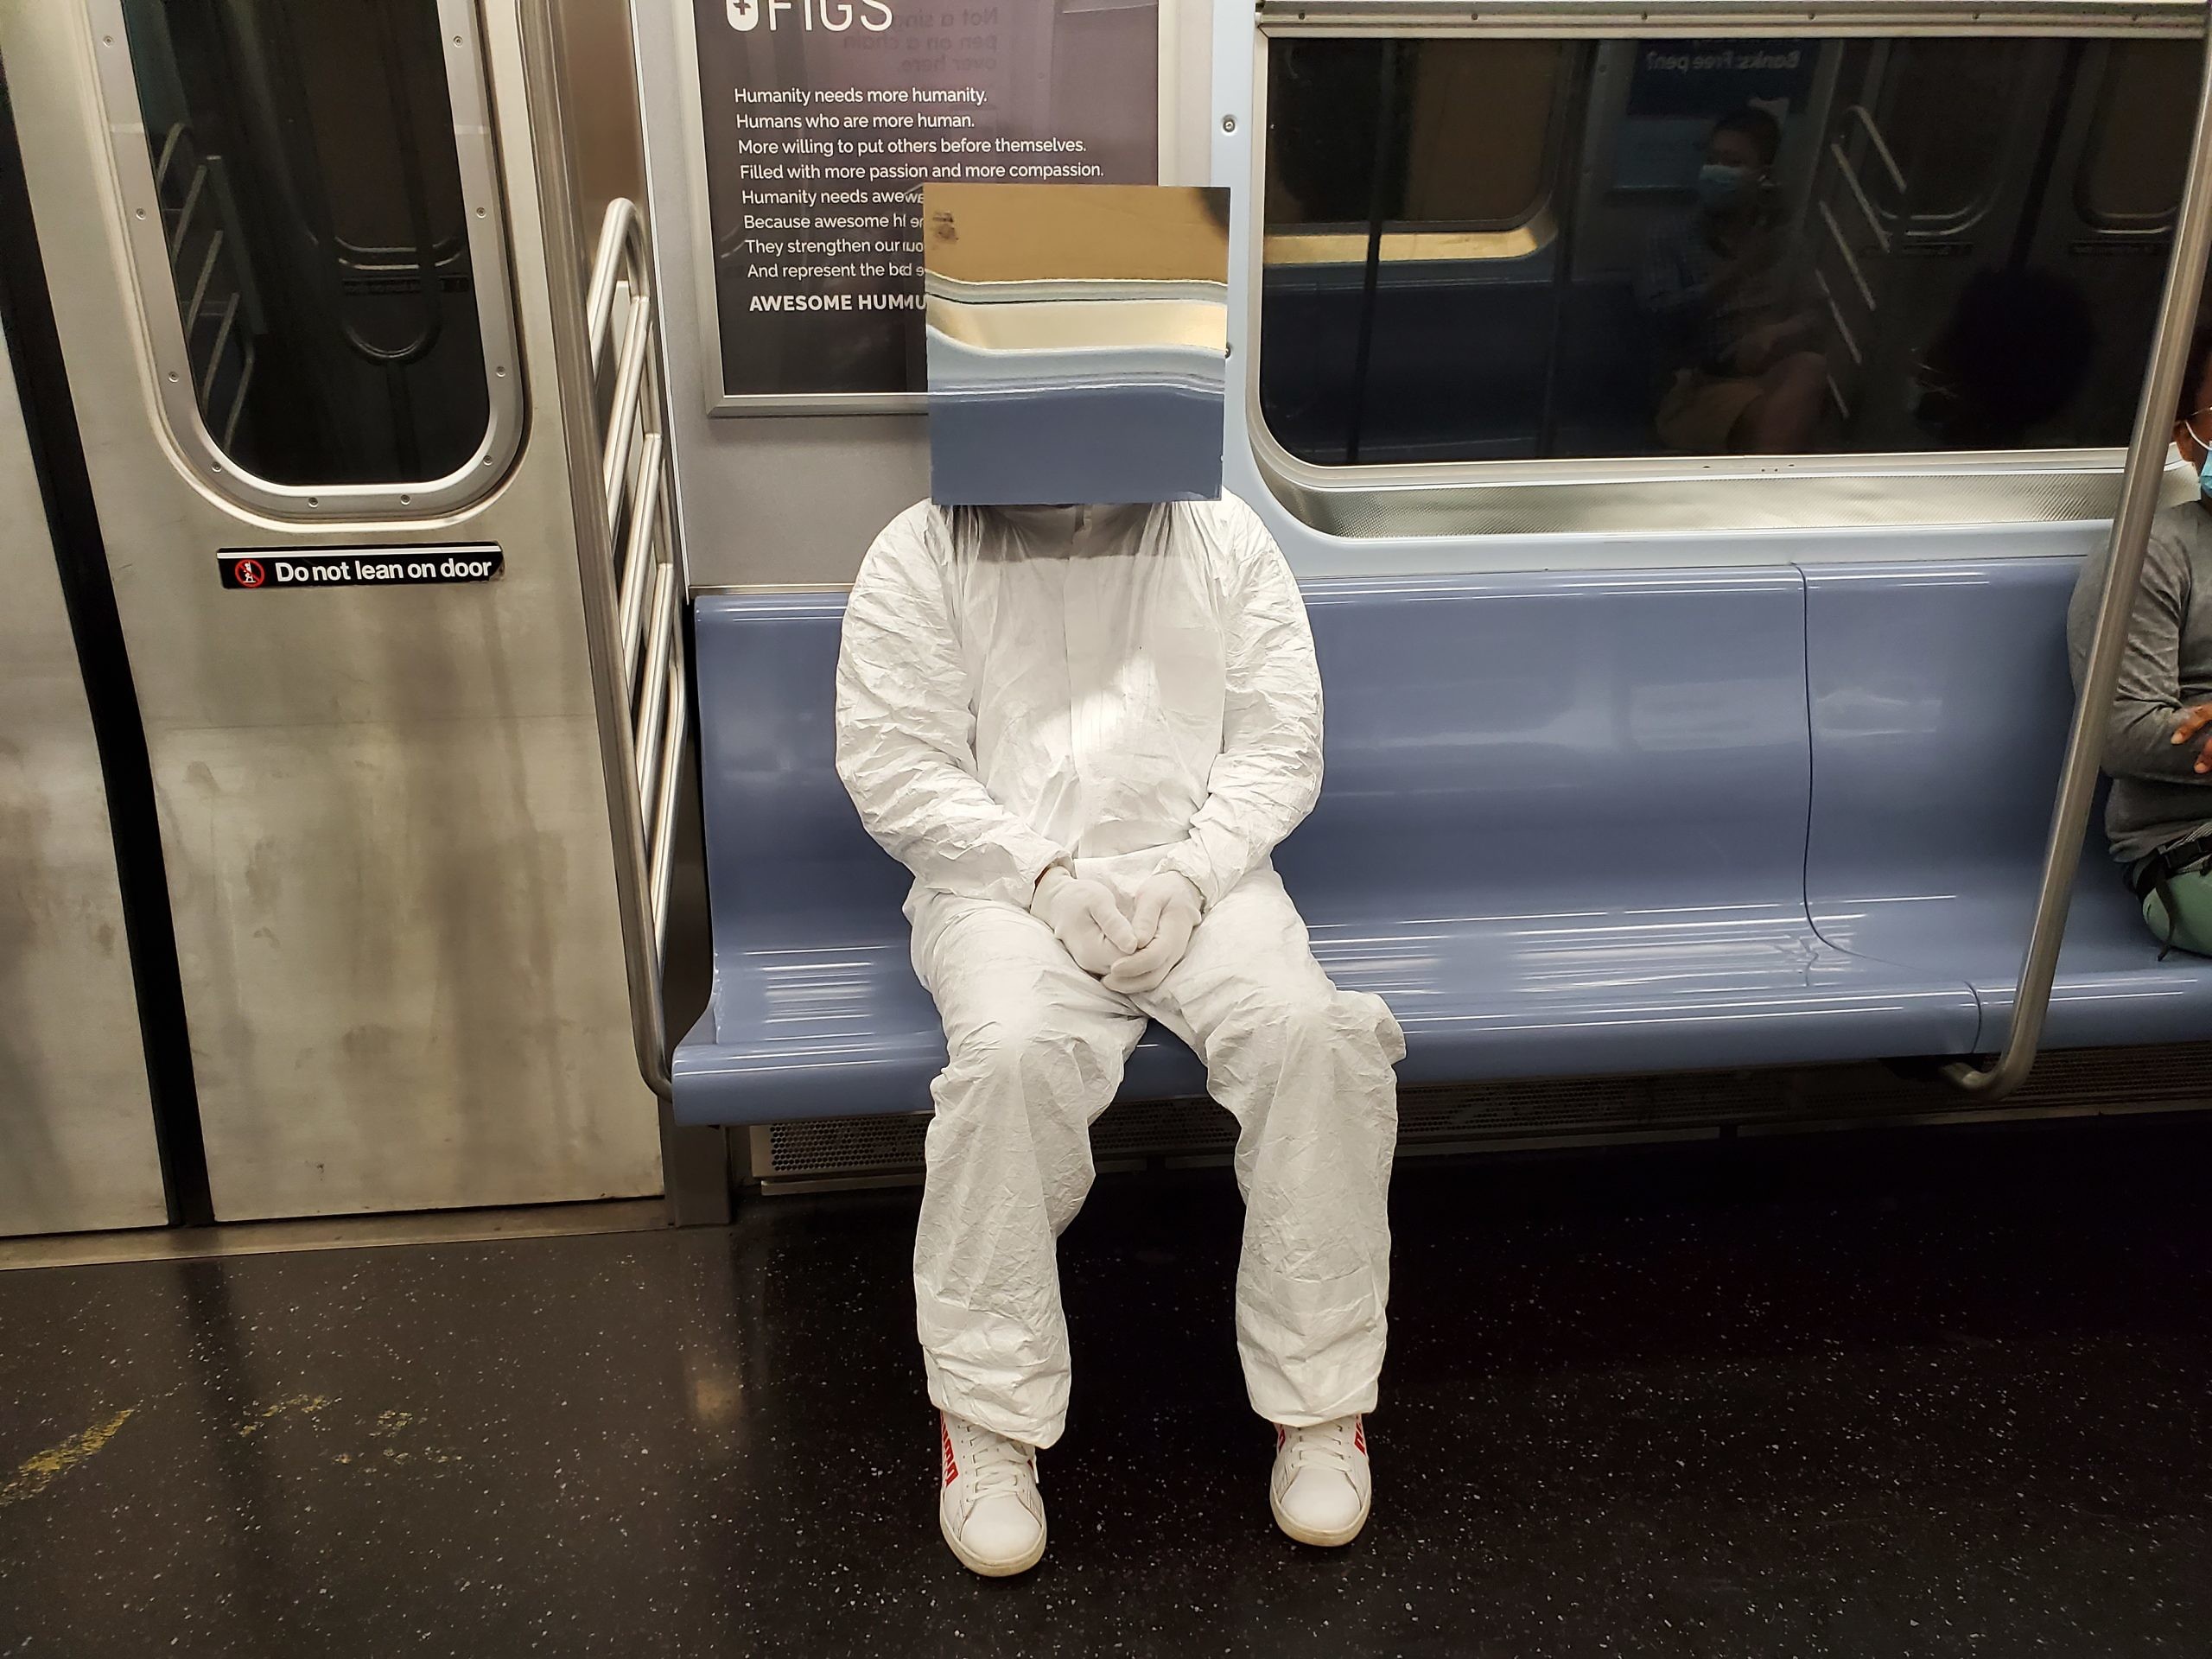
{"x": 1132, "y": 690}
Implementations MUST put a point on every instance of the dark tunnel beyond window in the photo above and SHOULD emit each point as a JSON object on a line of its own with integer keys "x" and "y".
{"x": 311, "y": 201}
{"x": 1483, "y": 249}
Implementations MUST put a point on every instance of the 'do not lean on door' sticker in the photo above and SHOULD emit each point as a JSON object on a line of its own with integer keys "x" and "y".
{"x": 261, "y": 569}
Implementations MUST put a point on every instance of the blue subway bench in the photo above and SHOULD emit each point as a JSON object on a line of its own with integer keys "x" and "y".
{"x": 1573, "y": 824}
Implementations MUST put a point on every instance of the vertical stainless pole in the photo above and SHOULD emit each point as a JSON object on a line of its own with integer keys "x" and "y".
{"x": 2130, "y": 531}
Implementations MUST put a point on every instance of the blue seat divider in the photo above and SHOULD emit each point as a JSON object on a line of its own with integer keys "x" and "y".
{"x": 1940, "y": 699}
{"x": 1563, "y": 832}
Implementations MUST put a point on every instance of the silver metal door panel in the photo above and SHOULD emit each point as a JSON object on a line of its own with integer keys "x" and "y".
{"x": 388, "y": 843}
{"x": 77, "y": 1146}
{"x": 447, "y": 1049}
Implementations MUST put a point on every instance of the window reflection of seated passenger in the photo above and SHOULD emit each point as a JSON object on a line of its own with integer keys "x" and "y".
{"x": 1747, "y": 379}
{"x": 2013, "y": 356}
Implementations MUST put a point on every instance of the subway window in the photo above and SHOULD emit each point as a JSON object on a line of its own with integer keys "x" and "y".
{"x": 1494, "y": 250}
{"x": 315, "y": 231}
{"x": 1322, "y": 183}
{"x": 2132, "y": 170}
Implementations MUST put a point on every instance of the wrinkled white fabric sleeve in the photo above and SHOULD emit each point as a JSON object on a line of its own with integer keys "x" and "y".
{"x": 906, "y": 746}
{"x": 1269, "y": 772}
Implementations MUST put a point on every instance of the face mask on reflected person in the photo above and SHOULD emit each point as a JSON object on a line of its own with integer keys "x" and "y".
{"x": 1720, "y": 186}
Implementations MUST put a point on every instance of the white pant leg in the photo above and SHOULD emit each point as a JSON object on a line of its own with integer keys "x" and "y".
{"x": 1037, "y": 1047}
{"x": 1307, "y": 1070}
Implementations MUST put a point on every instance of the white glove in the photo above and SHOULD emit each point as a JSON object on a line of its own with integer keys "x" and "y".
{"x": 1165, "y": 916}
{"x": 1084, "y": 918}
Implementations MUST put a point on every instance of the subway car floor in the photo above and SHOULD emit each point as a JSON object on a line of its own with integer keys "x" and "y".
{"x": 1908, "y": 1393}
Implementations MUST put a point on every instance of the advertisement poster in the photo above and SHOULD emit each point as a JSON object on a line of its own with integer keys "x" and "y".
{"x": 824, "y": 118}
{"x": 1681, "y": 87}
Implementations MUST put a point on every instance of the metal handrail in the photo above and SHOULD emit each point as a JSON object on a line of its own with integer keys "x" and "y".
{"x": 169, "y": 140}
{"x": 648, "y": 616}
{"x": 646, "y": 620}
{"x": 664, "y": 860}
{"x": 1859, "y": 194}
{"x": 621, "y": 244}
{"x": 637, "y": 558}
{"x": 194, "y": 194}
{"x": 646, "y": 731}
{"x": 624, "y": 412}
{"x": 2131, "y": 533}
{"x": 1881, "y": 148}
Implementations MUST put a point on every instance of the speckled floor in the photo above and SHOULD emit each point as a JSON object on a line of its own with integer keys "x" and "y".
{"x": 1935, "y": 1393}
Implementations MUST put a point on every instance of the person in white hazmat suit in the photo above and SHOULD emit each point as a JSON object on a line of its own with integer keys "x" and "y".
{"x": 1084, "y": 729}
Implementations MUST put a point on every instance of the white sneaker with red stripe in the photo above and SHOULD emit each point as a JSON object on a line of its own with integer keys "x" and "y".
{"x": 1321, "y": 1490}
{"x": 987, "y": 1502}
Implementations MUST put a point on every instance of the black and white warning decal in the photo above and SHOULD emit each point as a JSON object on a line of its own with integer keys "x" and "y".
{"x": 258, "y": 570}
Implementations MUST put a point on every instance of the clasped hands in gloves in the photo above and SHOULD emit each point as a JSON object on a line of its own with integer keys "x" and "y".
{"x": 1129, "y": 953}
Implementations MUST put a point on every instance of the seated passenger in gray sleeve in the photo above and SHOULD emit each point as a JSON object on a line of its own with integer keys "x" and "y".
{"x": 2157, "y": 751}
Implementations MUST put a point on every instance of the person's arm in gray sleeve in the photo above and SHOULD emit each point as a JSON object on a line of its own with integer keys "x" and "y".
{"x": 904, "y": 747}
{"x": 1269, "y": 772}
{"x": 2147, "y": 703}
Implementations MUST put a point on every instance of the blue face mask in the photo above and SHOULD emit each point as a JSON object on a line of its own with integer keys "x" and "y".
{"x": 2204, "y": 467}
{"x": 1720, "y": 187}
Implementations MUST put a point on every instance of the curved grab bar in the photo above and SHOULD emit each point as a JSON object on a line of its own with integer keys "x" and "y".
{"x": 2131, "y": 532}
{"x": 646, "y": 617}
{"x": 664, "y": 858}
{"x": 621, "y": 244}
